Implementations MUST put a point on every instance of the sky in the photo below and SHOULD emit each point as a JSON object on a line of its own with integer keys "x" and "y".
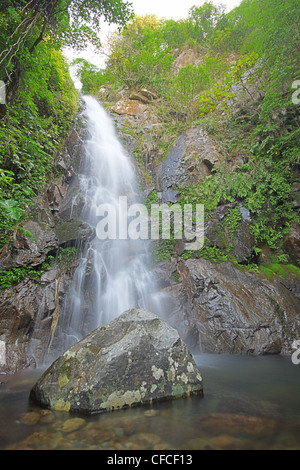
{"x": 169, "y": 9}
{"x": 174, "y": 9}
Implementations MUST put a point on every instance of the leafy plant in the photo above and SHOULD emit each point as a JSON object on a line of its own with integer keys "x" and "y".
{"x": 15, "y": 275}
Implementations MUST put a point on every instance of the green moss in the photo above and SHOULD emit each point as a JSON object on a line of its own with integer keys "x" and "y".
{"x": 276, "y": 269}
{"x": 267, "y": 272}
{"x": 293, "y": 269}
{"x": 63, "y": 381}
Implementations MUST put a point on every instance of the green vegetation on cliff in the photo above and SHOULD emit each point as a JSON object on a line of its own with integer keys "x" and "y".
{"x": 241, "y": 83}
{"x": 41, "y": 101}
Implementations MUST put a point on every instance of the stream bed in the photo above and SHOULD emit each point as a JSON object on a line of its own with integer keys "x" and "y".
{"x": 250, "y": 403}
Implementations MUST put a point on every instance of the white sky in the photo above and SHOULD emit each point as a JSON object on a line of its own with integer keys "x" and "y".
{"x": 174, "y": 9}
{"x": 169, "y": 9}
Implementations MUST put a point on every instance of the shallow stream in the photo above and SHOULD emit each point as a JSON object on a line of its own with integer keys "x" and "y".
{"x": 248, "y": 403}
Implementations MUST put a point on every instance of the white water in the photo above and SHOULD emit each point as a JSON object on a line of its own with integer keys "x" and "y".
{"x": 112, "y": 275}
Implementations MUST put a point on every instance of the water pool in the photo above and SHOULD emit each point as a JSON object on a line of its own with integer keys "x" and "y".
{"x": 248, "y": 403}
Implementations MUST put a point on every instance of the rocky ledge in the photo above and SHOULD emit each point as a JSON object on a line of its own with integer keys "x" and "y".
{"x": 133, "y": 360}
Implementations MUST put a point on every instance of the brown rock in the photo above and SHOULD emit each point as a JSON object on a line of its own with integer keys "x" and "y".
{"x": 292, "y": 243}
{"x": 31, "y": 418}
{"x": 232, "y": 424}
{"x": 73, "y": 424}
{"x": 129, "y": 107}
{"x": 189, "y": 57}
{"x": 223, "y": 441}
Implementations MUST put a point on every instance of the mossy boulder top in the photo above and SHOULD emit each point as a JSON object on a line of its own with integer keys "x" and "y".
{"x": 133, "y": 360}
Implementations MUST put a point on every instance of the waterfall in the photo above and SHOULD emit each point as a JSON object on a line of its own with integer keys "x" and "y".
{"x": 113, "y": 274}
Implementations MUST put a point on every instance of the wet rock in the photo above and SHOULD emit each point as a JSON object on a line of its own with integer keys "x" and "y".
{"x": 223, "y": 441}
{"x": 55, "y": 196}
{"x": 135, "y": 359}
{"x": 151, "y": 413}
{"x": 199, "y": 443}
{"x": 30, "y": 419}
{"x": 239, "y": 425}
{"x": 31, "y": 244}
{"x": 35, "y": 439}
{"x": 145, "y": 440}
{"x": 26, "y": 309}
{"x": 73, "y": 424}
{"x": 46, "y": 417}
{"x": 73, "y": 201}
{"x": 26, "y": 317}
{"x": 230, "y": 310}
{"x": 73, "y": 231}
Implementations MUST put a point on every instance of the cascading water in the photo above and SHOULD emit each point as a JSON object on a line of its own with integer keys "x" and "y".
{"x": 112, "y": 275}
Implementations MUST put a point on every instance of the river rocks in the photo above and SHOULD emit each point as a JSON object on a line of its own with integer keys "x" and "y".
{"x": 135, "y": 359}
{"x": 231, "y": 310}
{"x": 236, "y": 424}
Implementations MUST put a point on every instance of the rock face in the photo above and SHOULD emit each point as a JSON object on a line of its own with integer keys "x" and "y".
{"x": 74, "y": 230}
{"x": 215, "y": 307}
{"x": 28, "y": 309}
{"x": 184, "y": 58}
{"x": 31, "y": 250}
{"x": 189, "y": 161}
{"x": 222, "y": 309}
{"x": 240, "y": 242}
{"x": 135, "y": 359}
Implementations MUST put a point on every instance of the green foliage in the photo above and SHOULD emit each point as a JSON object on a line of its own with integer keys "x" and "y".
{"x": 151, "y": 199}
{"x": 163, "y": 249}
{"x": 65, "y": 257}
{"x": 24, "y": 25}
{"x": 15, "y": 275}
{"x": 275, "y": 269}
{"x": 253, "y": 50}
{"x": 32, "y": 130}
{"x": 214, "y": 254}
{"x": 41, "y": 99}
{"x": 233, "y": 220}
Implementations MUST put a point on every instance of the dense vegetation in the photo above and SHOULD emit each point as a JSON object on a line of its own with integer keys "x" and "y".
{"x": 41, "y": 101}
{"x": 254, "y": 48}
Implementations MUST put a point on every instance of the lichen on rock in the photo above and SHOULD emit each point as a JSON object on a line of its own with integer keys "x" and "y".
{"x": 139, "y": 359}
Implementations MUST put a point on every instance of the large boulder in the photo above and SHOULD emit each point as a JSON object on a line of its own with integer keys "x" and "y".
{"x": 135, "y": 359}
